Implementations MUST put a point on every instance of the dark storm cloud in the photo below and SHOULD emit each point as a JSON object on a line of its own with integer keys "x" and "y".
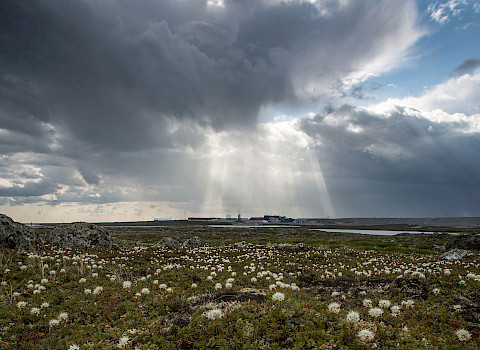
{"x": 409, "y": 162}
{"x": 115, "y": 74}
{"x": 29, "y": 189}
{"x": 102, "y": 96}
{"x": 109, "y": 76}
{"x": 466, "y": 66}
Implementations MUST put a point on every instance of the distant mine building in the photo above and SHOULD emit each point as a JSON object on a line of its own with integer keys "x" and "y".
{"x": 277, "y": 219}
{"x": 202, "y": 219}
{"x": 256, "y": 219}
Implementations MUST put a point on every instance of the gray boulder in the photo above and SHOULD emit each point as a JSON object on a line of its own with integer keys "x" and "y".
{"x": 15, "y": 235}
{"x": 79, "y": 234}
{"x": 454, "y": 254}
{"x": 169, "y": 243}
{"x": 193, "y": 242}
{"x": 243, "y": 245}
{"x": 291, "y": 247}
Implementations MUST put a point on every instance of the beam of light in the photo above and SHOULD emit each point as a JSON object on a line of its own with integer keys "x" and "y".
{"x": 270, "y": 171}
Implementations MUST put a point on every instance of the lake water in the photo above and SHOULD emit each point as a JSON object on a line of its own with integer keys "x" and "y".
{"x": 253, "y": 226}
{"x": 375, "y": 232}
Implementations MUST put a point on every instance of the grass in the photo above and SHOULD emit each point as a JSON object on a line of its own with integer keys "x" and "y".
{"x": 183, "y": 299}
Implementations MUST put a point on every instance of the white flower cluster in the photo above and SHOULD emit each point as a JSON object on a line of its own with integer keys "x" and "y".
{"x": 213, "y": 314}
{"x": 366, "y": 335}
{"x": 463, "y": 335}
{"x": 278, "y": 296}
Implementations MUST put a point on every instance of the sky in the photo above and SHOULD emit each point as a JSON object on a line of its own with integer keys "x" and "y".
{"x": 119, "y": 110}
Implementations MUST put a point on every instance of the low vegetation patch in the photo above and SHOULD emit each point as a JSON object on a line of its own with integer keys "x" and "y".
{"x": 331, "y": 291}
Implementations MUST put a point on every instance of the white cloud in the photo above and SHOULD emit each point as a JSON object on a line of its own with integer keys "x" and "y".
{"x": 457, "y": 99}
{"x": 476, "y": 7}
{"x": 442, "y": 12}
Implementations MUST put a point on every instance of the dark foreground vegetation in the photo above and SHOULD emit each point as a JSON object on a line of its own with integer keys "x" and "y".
{"x": 242, "y": 288}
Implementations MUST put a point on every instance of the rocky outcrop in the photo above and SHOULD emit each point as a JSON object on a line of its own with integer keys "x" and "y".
{"x": 15, "y": 235}
{"x": 79, "y": 234}
{"x": 193, "y": 242}
{"x": 467, "y": 242}
{"x": 169, "y": 243}
{"x": 243, "y": 245}
{"x": 300, "y": 247}
{"x": 454, "y": 254}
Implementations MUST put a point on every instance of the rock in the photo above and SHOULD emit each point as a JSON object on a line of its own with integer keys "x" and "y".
{"x": 468, "y": 242}
{"x": 243, "y": 245}
{"x": 15, "y": 235}
{"x": 169, "y": 243}
{"x": 454, "y": 254}
{"x": 192, "y": 243}
{"x": 79, "y": 234}
{"x": 291, "y": 247}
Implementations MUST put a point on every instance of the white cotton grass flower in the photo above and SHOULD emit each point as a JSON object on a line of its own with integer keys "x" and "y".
{"x": 44, "y": 305}
{"x": 21, "y": 304}
{"x": 213, "y": 314}
{"x": 367, "y": 303}
{"x": 408, "y": 303}
{"x": 436, "y": 291}
{"x": 127, "y": 284}
{"x": 169, "y": 289}
{"x": 63, "y": 317}
{"x": 123, "y": 342}
{"x": 54, "y": 322}
{"x": 87, "y": 291}
{"x": 278, "y": 296}
{"x": 334, "y": 307}
{"x": 353, "y": 317}
{"x": 463, "y": 335}
{"x": 194, "y": 285}
{"x": 35, "y": 311}
{"x": 82, "y": 280}
{"x": 395, "y": 310}
{"x": 384, "y": 303}
{"x": 44, "y": 281}
{"x": 375, "y": 312}
{"x": 218, "y": 286}
{"x": 97, "y": 290}
{"x": 366, "y": 335}
{"x": 74, "y": 347}
{"x": 228, "y": 285}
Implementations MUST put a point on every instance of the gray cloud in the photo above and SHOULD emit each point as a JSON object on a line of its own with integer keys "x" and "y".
{"x": 413, "y": 165}
{"x": 466, "y": 66}
{"x": 102, "y": 102}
